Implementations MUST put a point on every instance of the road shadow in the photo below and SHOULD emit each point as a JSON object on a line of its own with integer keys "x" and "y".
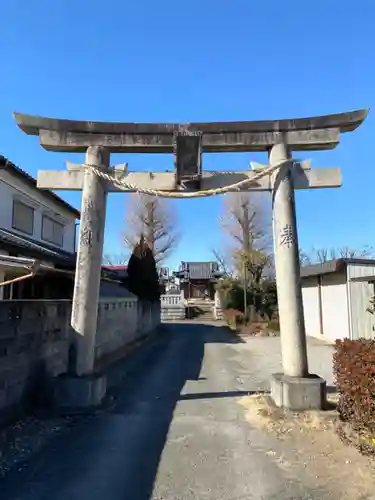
{"x": 216, "y": 395}
{"x": 215, "y": 332}
{"x": 115, "y": 452}
{"x": 151, "y": 406}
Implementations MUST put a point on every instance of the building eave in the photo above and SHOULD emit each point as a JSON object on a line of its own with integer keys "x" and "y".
{"x": 332, "y": 266}
{"x": 36, "y": 250}
{"x": 21, "y": 265}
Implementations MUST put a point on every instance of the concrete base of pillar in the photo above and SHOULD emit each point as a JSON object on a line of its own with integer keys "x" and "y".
{"x": 297, "y": 393}
{"x": 74, "y": 393}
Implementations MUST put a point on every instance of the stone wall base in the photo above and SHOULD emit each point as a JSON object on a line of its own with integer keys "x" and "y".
{"x": 297, "y": 393}
{"x": 75, "y": 393}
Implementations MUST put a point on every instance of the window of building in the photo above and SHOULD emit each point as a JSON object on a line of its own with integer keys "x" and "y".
{"x": 52, "y": 231}
{"x": 12, "y": 291}
{"x": 23, "y": 217}
{"x": 7, "y": 292}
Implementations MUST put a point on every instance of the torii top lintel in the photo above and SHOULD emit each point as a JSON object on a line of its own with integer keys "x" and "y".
{"x": 314, "y": 133}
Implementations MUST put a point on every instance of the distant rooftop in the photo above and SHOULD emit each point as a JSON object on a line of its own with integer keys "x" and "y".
{"x": 116, "y": 268}
{"x": 198, "y": 270}
{"x": 6, "y": 164}
{"x": 116, "y": 272}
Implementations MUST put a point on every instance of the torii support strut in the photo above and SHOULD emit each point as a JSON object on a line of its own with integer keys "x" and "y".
{"x": 294, "y": 388}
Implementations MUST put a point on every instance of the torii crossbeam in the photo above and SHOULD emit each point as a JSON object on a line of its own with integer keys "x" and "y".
{"x": 73, "y": 179}
{"x": 189, "y": 140}
{"x": 294, "y": 388}
{"x": 314, "y": 133}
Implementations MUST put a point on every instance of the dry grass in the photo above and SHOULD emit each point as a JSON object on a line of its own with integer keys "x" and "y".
{"x": 308, "y": 440}
{"x": 258, "y": 329}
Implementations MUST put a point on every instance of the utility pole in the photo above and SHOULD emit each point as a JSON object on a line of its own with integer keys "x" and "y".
{"x": 245, "y": 288}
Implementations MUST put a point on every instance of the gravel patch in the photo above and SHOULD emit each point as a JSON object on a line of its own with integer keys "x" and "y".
{"x": 262, "y": 356}
{"x": 25, "y": 438}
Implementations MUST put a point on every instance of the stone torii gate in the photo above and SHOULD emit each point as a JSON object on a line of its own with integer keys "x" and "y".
{"x": 294, "y": 388}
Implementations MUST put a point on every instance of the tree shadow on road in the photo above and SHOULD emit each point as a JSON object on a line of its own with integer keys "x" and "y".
{"x": 152, "y": 405}
{"x": 115, "y": 452}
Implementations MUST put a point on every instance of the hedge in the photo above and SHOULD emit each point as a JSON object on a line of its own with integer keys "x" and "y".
{"x": 354, "y": 370}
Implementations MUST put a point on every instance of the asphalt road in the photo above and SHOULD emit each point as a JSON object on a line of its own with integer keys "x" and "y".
{"x": 173, "y": 431}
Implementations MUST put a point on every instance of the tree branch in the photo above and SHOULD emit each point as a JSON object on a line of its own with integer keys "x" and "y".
{"x": 247, "y": 224}
{"x": 322, "y": 255}
{"x": 154, "y": 218}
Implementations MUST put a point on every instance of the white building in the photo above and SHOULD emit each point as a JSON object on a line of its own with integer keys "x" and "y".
{"x": 335, "y": 296}
{"x": 34, "y": 223}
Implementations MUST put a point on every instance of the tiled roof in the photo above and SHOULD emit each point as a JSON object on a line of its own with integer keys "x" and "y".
{"x": 35, "y": 247}
{"x": 116, "y": 268}
{"x": 198, "y": 270}
{"x": 8, "y": 165}
{"x": 115, "y": 272}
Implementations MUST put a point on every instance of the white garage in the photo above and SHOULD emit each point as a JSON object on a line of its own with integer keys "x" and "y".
{"x": 335, "y": 297}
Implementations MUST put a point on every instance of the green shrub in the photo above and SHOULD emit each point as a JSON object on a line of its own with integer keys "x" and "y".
{"x": 268, "y": 299}
{"x": 235, "y": 299}
{"x": 354, "y": 369}
{"x": 262, "y": 296}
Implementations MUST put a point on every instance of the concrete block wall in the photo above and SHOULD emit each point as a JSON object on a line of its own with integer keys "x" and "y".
{"x": 36, "y": 337}
{"x": 34, "y": 346}
{"x": 121, "y": 321}
{"x": 149, "y": 317}
{"x": 117, "y": 324}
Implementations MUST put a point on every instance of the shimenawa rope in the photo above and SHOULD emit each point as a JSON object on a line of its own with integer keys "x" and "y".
{"x": 124, "y": 185}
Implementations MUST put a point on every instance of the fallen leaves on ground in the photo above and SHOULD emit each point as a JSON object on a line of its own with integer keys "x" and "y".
{"x": 309, "y": 439}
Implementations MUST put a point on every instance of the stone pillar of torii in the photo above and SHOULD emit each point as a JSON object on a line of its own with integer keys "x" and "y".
{"x": 295, "y": 388}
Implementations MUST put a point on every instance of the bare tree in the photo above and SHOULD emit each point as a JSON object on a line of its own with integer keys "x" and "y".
{"x": 304, "y": 258}
{"x": 153, "y": 218}
{"x": 115, "y": 259}
{"x": 223, "y": 262}
{"x": 322, "y": 255}
{"x": 247, "y": 223}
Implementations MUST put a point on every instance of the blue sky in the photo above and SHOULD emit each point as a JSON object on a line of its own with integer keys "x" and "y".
{"x": 198, "y": 61}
